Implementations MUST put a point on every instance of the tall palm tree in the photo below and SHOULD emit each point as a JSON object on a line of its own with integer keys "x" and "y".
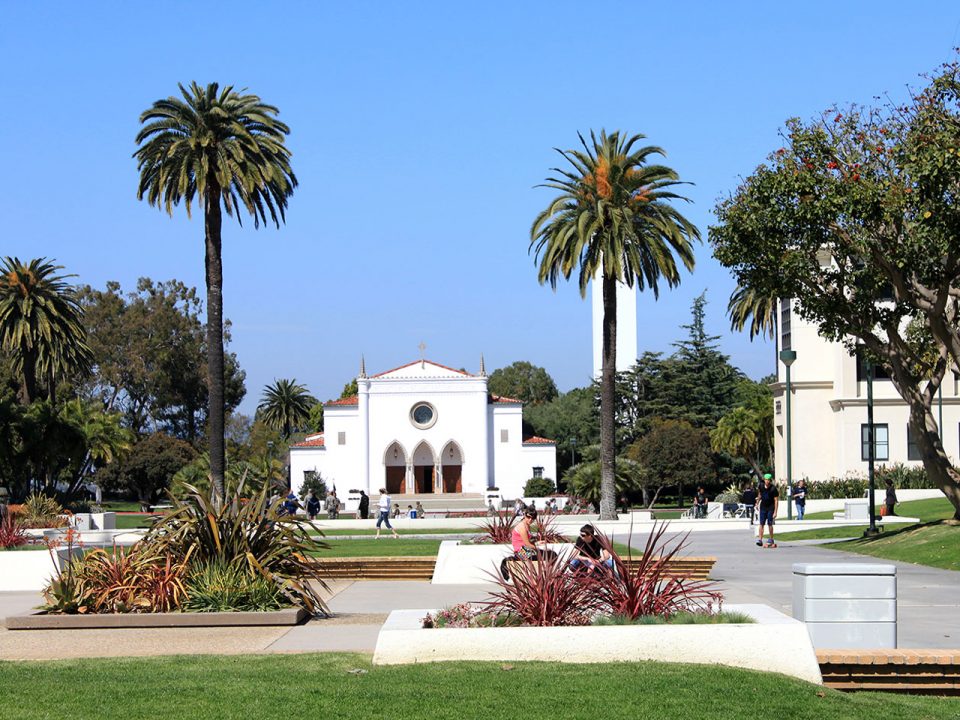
{"x": 215, "y": 146}
{"x": 285, "y": 405}
{"x": 745, "y": 432}
{"x": 748, "y": 306}
{"x": 613, "y": 220}
{"x": 41, "y": 325}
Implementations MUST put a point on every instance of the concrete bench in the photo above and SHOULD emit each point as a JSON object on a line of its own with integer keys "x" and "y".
{"x": 377, "y": 568}
{"x": 690, "y": 568}
{"x": 928, "y": 672}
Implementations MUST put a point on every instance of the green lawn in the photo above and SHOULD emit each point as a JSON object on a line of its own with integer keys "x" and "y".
{"x": 386, "y": 546}
{"x": 931, "y": 510}
{"x": 403, "y": 531}
{"x": 348, "y": 687}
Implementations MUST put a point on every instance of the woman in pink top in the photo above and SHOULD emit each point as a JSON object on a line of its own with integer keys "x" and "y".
{"x": 523, "y": 546}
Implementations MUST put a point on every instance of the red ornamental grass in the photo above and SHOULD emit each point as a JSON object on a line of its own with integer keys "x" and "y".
{"x": 497, "y": 528}
{"x": 547, "y": 531}
{"x": 12, "y": 533}
{"x": 545, "y": 593}
{"x": 650, "y": 587}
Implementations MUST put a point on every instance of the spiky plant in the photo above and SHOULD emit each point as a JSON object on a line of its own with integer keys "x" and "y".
{"x": 285, "y": 405}
{"x": 223, "y": 150}
{"x": 613, "y": 221}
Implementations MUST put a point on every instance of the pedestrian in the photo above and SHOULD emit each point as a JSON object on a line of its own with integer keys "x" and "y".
{"x": 411, "y": 513}
{"x": 891, "y": 499}
{"x": 332, "y": 505}
{"x": 396, "y": 510}
{"x": 800, "y": 498}
{"x": 420, "y": 510}
{"x": 364, "y": 507}
{"x": 768, "y": 501}
{"x": 491, "y": 509}
{"x": 518, "y": 507}
{"x": 313, "y": 505}
{"x": 624, "y": 503}
{"x": 700, "y": 503}
{"x": 291, "y": 504}
{"x": 384, "y": 504}
{"x": 749, "y": 500}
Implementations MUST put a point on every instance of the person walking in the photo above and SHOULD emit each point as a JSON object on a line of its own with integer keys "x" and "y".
{"x": 291, "y": 504}
{"x": 364, "y": 507}
{"x": 750, "y": 500}
{"x": 700, "y": 503}
{"x": 332, "y": 505}
{"x": 313, "y": 506}
{"x": 768, "y": 501}
{"x": 420, "y": 510}
{"x": 383, "y": 513}
{"x": 891, "y": 498}
{"x": 800, "y": 498}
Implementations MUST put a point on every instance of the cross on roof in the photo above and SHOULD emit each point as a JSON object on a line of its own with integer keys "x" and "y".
{"x": 422, "y": 347}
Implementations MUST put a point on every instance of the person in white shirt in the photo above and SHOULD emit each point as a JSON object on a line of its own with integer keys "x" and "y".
{"x": 383, "y": 512}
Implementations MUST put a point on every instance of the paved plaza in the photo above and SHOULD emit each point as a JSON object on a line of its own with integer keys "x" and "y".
{"x": 928, "y": 607}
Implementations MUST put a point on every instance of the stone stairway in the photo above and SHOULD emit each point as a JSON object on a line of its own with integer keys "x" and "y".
{"x": 461, "y": 502}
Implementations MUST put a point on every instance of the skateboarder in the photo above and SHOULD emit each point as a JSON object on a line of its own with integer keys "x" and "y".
{"x": 768, "y": 501}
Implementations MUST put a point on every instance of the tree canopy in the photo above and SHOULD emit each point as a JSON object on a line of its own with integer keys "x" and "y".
{"x": 523, "y": 381}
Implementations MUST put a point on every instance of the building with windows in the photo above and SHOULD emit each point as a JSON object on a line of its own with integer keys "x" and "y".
{"x": 426, "y": 429}
{"x": 829, "y": 408}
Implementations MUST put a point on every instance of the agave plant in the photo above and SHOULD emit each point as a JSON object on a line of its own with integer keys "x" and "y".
{"x": 42, "y": 511}
{"x": 650, "y": 587}
{"x": 545, "y": 593}
{"x": 113, "y": 581}
{"x": 222, "y": 587}
{"x": 12, "y": 533}
{"x": 246, "y": 531}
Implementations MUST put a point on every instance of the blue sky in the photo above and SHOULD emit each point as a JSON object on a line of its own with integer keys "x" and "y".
{"x": 418, "y": 133}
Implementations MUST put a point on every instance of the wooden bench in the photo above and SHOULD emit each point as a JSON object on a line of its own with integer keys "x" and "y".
{"x": 691, "y": 568}
{"x": 377, "y": 568}
{"x": 926, "y": 672}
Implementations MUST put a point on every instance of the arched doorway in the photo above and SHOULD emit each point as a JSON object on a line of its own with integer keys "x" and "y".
{"x": 395, "y": 464}
{"x": 451, "y": 459}
{"x": 423, "y": 465}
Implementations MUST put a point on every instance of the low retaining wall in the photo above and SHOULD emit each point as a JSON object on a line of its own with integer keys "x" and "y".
{"x": 784, "y": 641}
{"x": 36, "y": 621}
{"x": 29, "y": 570}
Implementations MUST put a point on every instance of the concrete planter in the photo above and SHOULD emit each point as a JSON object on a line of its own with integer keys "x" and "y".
{"x": 460, "y": 564}
{"x": 25, "y": 570}
{"x": 775, "y": 643}
{"x": 38, "y": 621}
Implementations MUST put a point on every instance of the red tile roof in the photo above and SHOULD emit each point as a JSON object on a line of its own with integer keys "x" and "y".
{"x": 539, "y": 441}
{"x": 409, "y": 364}
{"x": 501, "y": 400}
{"x": 352, "y": 400}
{"x": 311, "y": 441}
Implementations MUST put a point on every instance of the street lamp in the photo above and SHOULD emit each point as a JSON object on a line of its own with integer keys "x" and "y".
{"x": 871, "y": 450}
{"x": 787, "y": 357}
{"x": 573, "y": 451}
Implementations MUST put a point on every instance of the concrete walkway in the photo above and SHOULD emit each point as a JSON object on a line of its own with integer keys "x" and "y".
{"x": 928, "y": 607}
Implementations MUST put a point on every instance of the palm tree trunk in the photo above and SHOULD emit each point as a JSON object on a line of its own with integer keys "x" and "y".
{"x": 215, "y": 379}
{"x": 608, "y": 401}
{"x": 28, "y": 385}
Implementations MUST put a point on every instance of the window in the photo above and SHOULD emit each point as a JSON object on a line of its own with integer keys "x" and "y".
{"x": 913, "y": 452}
{"x": 538, "y": 472}
{"x": 879, "y": 371}
{"x": 881, "y": 442}
{"x": 341, "y": 438}
{"x": 423, "y": 415}
{"x": 504, "y": 436}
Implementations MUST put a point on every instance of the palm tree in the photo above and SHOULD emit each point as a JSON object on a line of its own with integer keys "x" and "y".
{"x": 747, "y": 305}
{"x": 745, "y": 432}
{"x": 210, "y": 147}
{"x": 285, "y": 405}
{"x": 104, "y": 439}
{"x": 40, "y": 325}
{"x": 613, "y": 220}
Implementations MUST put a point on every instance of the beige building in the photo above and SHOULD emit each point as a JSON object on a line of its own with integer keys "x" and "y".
{"x": 829, "y": 408}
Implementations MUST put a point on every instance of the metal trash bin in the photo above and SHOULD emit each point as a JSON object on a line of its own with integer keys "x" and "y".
{"x": 847, "y": 605}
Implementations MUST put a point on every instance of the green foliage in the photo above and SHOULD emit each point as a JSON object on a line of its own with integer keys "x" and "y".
{"x": 149, "y": 468}
{"x": 314, "y": 422}
{"x": 149, "y": 349}
{"x": 748, "y": 306}
{"x": 246, "y": 531}
{"x": 216, "y": 586}
{"x": 674, "y": 452}
{"x": 285, "y": 406}
{"x": 583, "y": 479}
{"x": 523, "y": 381}
{"x": 681, "y": 618}
{"x": 746, "y": 432}
{"x": 350, "y": 389}
{"x": 571, "y": 419}
{"x": 40, "y": 326}
{"x": 42, "y": 511}
{"x": 313, "y": 482}
{"x": 850, "y": 486}
{"x": 539, "y": 487}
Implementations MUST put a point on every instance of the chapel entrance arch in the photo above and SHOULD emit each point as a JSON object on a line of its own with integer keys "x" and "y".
{"x": 424, "y": 463}
{"x": 451, "y": 458}
{"x": 395, "y": 465}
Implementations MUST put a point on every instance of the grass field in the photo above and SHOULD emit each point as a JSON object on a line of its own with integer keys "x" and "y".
{"x": 348, "y": 687}
{"x": 403, "y": 531}
{"x": 387, "y": 546}
{"x": 927, "y": 511}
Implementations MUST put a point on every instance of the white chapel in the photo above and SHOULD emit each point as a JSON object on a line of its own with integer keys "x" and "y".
{"x": 424, "y": 429}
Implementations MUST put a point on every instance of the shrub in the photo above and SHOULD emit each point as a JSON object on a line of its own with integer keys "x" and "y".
{"x": 850, "y": 486}
{"x": 650, "y": 588}
{"x": 498, "y": 528}
{"x": 248, "y": 532}
{"x": 12, "y": 533}
{"x": 467, "y": 616}
{"x": 42, "y": 511}
{"x": 539, "y": 487}
{"x": 313, "y": 481}
{"x": 545, "y": 593}
{"x": 904, "y": 477}
{"x": 129, "y": 580}
{"x": 217, "y": 586}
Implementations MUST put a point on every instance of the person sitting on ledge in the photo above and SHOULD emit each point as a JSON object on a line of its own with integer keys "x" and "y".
{"x": 589, "y": 553}
{"x": 523, "y": 547}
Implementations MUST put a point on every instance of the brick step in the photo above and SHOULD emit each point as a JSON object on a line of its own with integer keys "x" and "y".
{"x": 922, "y": 671}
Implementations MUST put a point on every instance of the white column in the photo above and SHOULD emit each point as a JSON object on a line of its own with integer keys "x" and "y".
{"x": 363, "y": 402}
{"x": 483, "y": 458}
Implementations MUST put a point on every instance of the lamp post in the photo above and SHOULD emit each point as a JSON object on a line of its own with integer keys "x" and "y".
{"x": 871, "y": 450}
{"x": 573, "y": 451}
{"x": 787, "y": 357}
